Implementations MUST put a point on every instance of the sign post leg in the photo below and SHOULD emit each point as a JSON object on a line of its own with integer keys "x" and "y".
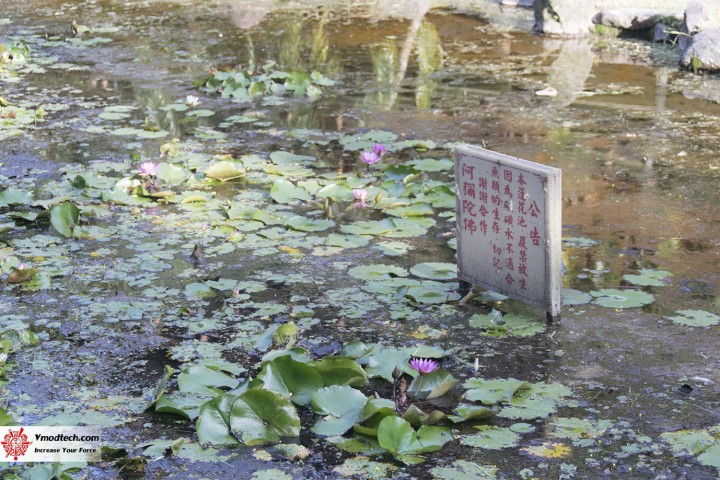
{"x": 552, "y": 318}
{"x": 464, "y": 288}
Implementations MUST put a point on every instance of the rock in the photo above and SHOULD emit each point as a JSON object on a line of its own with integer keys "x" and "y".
{"x": 696, "y": 18}
{"x": 563, "y": 17}
{"x": 628, "y": 18}
{"x": 662, "y": 33}
{"x": 703, "y": 51}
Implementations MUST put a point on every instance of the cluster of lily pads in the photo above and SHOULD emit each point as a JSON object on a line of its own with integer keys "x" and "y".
{"x": 387, "y": 396}
{"x": 265, "y": 80}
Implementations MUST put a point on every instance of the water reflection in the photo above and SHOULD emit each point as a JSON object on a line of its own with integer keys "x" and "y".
{"x": 570, "y": 70}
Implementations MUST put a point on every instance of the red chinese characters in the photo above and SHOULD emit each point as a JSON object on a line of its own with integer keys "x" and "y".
{"x": 502, "y": 208}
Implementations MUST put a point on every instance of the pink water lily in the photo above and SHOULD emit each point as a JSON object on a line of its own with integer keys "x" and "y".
{"x": 370, "y": 158}
{"x": 379, "y": 149}
{"x": 423, "y": 365}
{"x": 148, "y": 168}
{"x": 360, "y": 195}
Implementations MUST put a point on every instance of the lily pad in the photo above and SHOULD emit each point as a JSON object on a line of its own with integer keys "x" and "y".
{"x": 435, "y": 270}
{"x": 260, "y": 416}
{"x": 225, "y": 170}
{"x": 464, "y": 470}
{"x": 695, "y": 318}
{"x": 291, "y": 378}
{"x": 213, "y": 422}
{"x": 580, "y": 242}
{"x": 432, "y": 385}
{"x": 575, "y": 297}
{"x": 205, "y": 380}
{"x": 342, "y": 407}
{"x": 284, "y": 191}
{"x": 64, "y": 218}
{"x": 399, "y": 438}
{"x": 648, "y": 278}
{"x": 496, "y": 325}
{"x": 491, "y": 437}
{"x": 615, "y": 298}
{"x": 377, "y": 272}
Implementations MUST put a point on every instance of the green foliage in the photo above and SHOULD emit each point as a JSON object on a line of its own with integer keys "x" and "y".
{"x": 245, "y": 84}
{"x": 260, "y": 416}
{"x": 342, "y": 407}
{"x": 695, "y": 318}
{"x": 615, "y": 298}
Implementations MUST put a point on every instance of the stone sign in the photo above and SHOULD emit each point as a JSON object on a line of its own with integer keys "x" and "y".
{"x": 509, "y": 226}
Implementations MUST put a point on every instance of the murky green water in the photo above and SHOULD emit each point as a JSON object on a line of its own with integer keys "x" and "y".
{"x": 636, "y": 139}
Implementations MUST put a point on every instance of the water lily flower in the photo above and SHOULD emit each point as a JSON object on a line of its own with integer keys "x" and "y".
{"x": 148, "y": 168}
{"x": 370, "y": 158}
{"x": 360, "y": 195}
{"x": 379, "y": 149}
{"x": 422, "y": 365}
{"x": 192, "y": 101}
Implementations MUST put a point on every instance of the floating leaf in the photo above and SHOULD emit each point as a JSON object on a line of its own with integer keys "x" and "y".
{"x": 377, "y": 272}
{"x": 575, "y": 297}
{"x": 491, "y": 438}
{"x": 289, "y": 377}
{"x": 15, "y": 196}
{"x": 435, "y": 270}
{"x": 304, "y": 224}
{"x": 287, "y": 158}
{"x": 614, "y": 298}
{"x": 491, "y": 392}
{"x": 496, "y": 325}
{"x": 464, "y": 470}
{"x": 470, "y": 412}
{"x": 171, "y": 174}
{"x": 432, "y": 385}
{"x": 342, "y": 407}
{"x": 581, "y": 431}
{"x": 399, "y": 438}
{"x": 202, "y": 379}
{"x": 284, "y": 191}
{"x": 183, "y": 404}
{"x": 213, "y": 422}
{"x": 225, "y": 170}
{"x": 200, "y": 113}
{"x": 64, "y": 217}
{"x": 260, "y": 416}
{"x": 341, "y": 371}
{"x": 549, "y": 450}
{"x": 648, "y": 278}
{"x": 695, "y": 318}
{"x": 580, "y": 242}
{"x": 382, "y": 362}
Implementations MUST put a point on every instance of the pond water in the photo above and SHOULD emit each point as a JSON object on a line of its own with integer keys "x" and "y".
{"x": 249, "y": 225}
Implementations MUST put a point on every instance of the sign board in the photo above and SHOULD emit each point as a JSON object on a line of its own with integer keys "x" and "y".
{"x": 509, "y": 226}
